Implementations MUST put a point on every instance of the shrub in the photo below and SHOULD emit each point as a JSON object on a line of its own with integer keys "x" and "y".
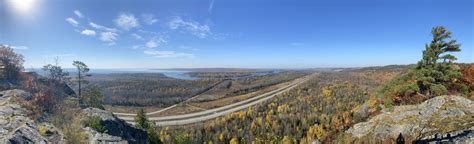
{"x": 42, "y": 129}
{"x": 438, "y": 89}
{"x": 182, "y": 137}
{"x": 96, "y": 123}
{"x": 153, "y": 135}
{"x": 73, "y": 132}
{"x": 408, "y": 89}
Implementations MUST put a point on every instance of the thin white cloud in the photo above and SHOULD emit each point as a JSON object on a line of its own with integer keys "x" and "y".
{"x": 136, "y": 36}
{"x": 20, "y": 47}
{"x": 195, "y": 28}
{"x": 78, "y": 14}
{"x": 151, "y": 44}
{"x": 103, "y": 28}
{"x": 167, "y": 54}
{"x": 126, "y": 21}
{"x": 155, "y": 42}
{"x": 187, "y": 48}
{"x": 137, "y": 47}
{"x": 211, "y": 6}
{"x": 108, "y": 37}
{"x": 149, "y": 19}
{"x": 72, "y": 21}
{"x": 88, "y": 32}
{"x": 111, "y": 43}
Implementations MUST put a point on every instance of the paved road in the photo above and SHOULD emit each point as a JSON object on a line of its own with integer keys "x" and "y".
{"x": 170, "y": 107}
{"x": 216, "y": 112}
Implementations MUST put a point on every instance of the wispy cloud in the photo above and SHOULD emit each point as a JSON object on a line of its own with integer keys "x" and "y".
{"x": 88, "y": 32}
{"x": 103, "y": 28}
{"x": 136, "y": 36}
{"x": 187, "y": 48}
{"x": 167, "y": 54}
{"x": 109, "y": 37}
{"x": 126, "y": 21}
{"x": 78, "y": 14}
{"x": 156, "y": 42}
{"x": 195, "y": 28}
{"x": 211, "y": 6}
{"x": 149, "y": 19}
{"x": 20, "y": 47}
{"x": 72, "y": 21}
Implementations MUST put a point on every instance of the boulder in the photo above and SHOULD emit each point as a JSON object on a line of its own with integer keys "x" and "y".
{"x": 440, "y": 114}
{"x": 115, "y": 128}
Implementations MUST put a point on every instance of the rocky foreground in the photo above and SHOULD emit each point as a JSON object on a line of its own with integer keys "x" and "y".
{"x": 17, "y": 127}
{"x": 443, "y": 118}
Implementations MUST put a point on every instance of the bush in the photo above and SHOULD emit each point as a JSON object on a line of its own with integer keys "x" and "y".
{"x": 438, "y": 89}
{"x": 408, "y": 89}
{"x": 153, "y": 135}
{"x": 73, "y": 132}
{"x": 96, "y": 123}
{"x": 42, "y": 129}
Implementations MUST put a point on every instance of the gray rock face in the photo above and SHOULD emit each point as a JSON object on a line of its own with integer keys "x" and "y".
{"x": 117, "y": 130}
{"x": 99, "y": 138}
{"x": 465, "y": 136}
{"x": 15, "y": 126}
{"x": 437, "y": 115}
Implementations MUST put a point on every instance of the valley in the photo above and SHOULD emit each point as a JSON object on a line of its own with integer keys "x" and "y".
{"x": 236, "y": 72}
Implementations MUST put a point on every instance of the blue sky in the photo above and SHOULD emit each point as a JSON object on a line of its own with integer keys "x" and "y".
{"x": 230, "y": 33}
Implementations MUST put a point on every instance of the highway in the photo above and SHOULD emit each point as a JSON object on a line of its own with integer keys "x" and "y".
{"x": 216, "y": 112}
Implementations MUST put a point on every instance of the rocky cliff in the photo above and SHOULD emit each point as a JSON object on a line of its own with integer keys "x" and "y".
{"x": 17, "y": 127}
{"x": 441, "y": 115}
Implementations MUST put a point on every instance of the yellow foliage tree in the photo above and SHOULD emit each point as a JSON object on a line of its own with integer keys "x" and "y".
{"x": 222, "y": 137}
{"x": 287, "y": 140}
{"x": 316, "y": 132}
{"x": 234, "y": 141}
{"x": 327, "y": 91}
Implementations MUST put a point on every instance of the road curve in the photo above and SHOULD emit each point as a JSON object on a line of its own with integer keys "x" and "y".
{"x": 216, "y": 112}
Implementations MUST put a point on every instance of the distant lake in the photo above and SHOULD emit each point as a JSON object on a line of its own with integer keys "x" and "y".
{"x": 178, "y": 74}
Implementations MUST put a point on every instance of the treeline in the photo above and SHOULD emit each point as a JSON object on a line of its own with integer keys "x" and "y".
{"x": 147, "y": 89}
{"x": 235, "y": 87}
{"x": 251, "y": 84}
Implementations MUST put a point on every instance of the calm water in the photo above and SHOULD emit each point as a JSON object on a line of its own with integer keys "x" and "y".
{"x": 178, "y": 74}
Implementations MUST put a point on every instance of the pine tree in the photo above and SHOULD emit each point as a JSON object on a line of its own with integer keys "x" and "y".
{"x": 141, "y": 121}
{"x": 436, "y": 68}
{"x": 82, "y": 70}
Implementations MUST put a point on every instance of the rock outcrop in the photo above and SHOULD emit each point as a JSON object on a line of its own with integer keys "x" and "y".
{"x": 442, "y": 114}
{"x": 117, "y": 130}
{"x": 16, "y": 127}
